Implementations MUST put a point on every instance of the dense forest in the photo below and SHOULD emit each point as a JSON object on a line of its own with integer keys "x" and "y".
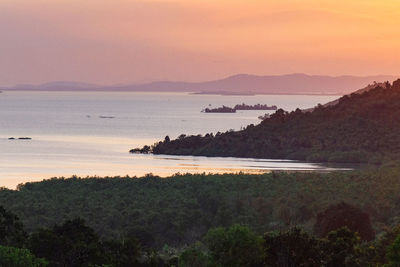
{"x": 359, "y": 128}
{"x": 73, "y": 243}
{"x": 184, "y": 217}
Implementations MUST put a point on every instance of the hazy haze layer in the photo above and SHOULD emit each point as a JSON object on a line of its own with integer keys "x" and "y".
{"x": 125, "y": 41}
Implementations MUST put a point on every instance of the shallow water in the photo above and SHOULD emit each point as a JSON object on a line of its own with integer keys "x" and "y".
{"x": 90, "y": 133}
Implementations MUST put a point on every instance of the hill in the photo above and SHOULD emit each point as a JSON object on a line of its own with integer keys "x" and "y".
{"x": 179, "y": 210}
{"x": 361, "y": 127}
{"x": 55, "y": 86}
{"x": 241, "y": 84}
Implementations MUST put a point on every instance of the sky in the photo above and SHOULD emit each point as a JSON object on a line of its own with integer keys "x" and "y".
{"x": 130, "y": 41}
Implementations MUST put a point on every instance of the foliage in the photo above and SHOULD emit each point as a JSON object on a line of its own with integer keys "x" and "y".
{"x": 292, "y": 248}
{"x": 17, "y": 257}
{"x": 125, "y": 253}
{"x": 75, "y": 244}
{"x": 394, "y": 253}
{"x": 181, "y": 209}
{"x": 234, "y": 246}
{"x": 70, "y": 244}
{"x": 343, "y": 248}
{"x": 11, "y": 229}
{"x": 344, "y": 215}
{"x": 379, "y": 249}
{"x": 194, "y": 256}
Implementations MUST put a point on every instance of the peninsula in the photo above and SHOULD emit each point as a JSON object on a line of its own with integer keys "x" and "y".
{"x": 360, "y": 127}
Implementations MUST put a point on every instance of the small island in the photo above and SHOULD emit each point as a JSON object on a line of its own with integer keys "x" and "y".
{"x": 243, "y": 106}
{"x": 20, "y": 138}
{"x": 106, "y": 117}
{"x": 223, "y": 109}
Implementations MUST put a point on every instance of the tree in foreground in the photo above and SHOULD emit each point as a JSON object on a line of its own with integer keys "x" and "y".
{"x": 70, "y": 244}
{"x": 11, "y": 229}
{"x": 393, "y": 254}
{"x": 234, "y": 246}
{"x": 379, "y": 252}
{"x": 342, "y": 247}
{"x": 125, "y": 253}
{"x": 17, "y": 257}
{"x": 344, "y": 215}
{"x": 194, "y": 256}
{"x": 292, "y": 248}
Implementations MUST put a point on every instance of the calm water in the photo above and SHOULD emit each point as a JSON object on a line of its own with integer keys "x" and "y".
{"x": 90, "y": 133}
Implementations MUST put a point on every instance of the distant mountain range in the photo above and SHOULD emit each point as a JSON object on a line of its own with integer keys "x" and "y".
{"x": 241, "y": 84}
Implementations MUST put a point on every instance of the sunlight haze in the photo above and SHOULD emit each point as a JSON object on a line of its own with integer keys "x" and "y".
{"x": 124, "y": 41}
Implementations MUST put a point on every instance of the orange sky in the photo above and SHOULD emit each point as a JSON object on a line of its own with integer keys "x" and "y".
{"x": 121, "y": 41}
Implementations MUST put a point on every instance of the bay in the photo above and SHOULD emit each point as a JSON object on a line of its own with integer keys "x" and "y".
{"x": 90, "y": 133}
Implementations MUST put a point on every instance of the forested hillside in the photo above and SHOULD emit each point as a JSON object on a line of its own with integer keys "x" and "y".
{"x": 179, "y": 210}
{"x": 359, "y": 128}
{"x": 151, "y": 219}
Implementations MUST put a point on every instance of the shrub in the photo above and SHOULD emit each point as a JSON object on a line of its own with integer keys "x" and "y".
{"x": 17, "y": 257}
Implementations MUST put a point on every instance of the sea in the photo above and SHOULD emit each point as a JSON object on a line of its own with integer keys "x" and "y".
{"x": 91, "y": 133}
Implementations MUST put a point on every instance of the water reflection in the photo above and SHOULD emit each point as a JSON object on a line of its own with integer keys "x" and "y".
{"x": 37, "y": 167}
{"x": 73, "y": 133}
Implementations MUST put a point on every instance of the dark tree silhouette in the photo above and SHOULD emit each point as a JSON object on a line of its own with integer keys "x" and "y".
{"x": 292, "y": 248}
{"x": 344, "y": 215}
{"x": 123, "y": 254}
{"x": 11, "y": 229}
{"x": 70, "y": 244}
{"x": 234, "y": 246}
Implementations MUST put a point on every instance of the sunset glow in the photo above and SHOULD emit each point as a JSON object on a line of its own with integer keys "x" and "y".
{"x": 124, "y": 41}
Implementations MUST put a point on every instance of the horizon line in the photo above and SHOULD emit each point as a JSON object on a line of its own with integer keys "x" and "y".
{"x": 96, "y": 85}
